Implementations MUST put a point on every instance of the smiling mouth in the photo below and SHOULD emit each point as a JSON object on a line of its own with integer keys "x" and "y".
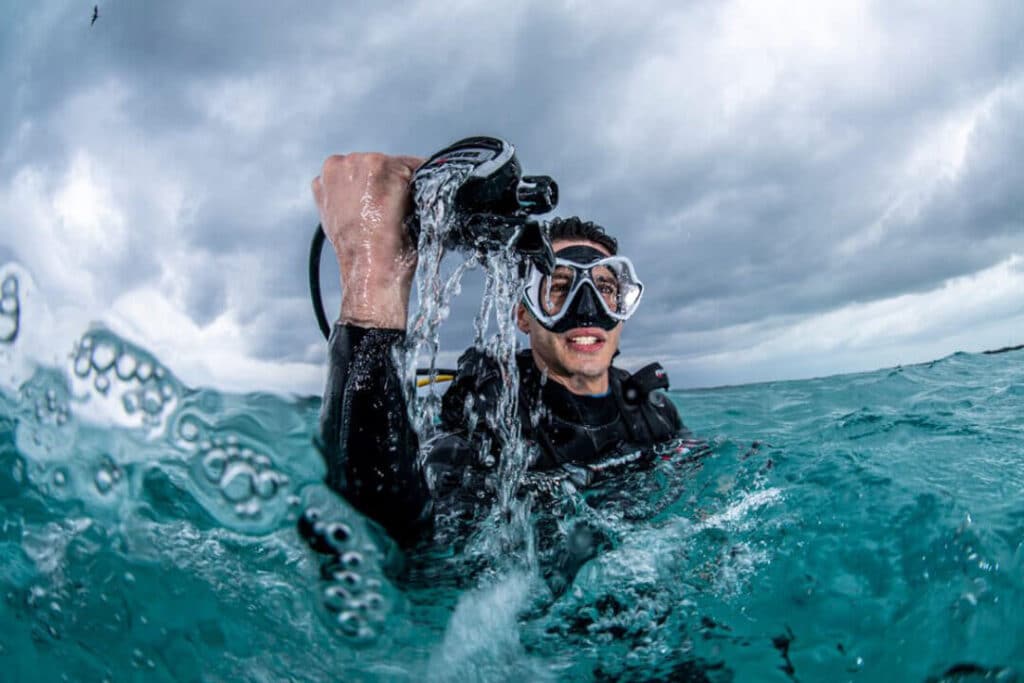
{"x": 584, "y": 342}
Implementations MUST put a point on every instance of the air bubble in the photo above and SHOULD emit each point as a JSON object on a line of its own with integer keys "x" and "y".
{"x": 374, "y": 602}
{"x": 82, "y": 364}
{"x": 188, "y": 429}
{"x": 214, "y": 464}
{"x": 237, "y": 482}
{"x": 336, "y": 598}
{"x": 60, "y": 477}
{"x": 168, "y": 391}
{"x": 9, "y": 308}
{"x": 103, "y": 356}
{"x": 266, "y": 484}
{"x": 8, "y": 329}
{"x": 130, "y": 401}
{"x": 125, "y": 366}
{"x": 102, "y": 384}
{"x": 152, "y": 402}
{"x": 250, "y": 508}
{"x": 352, "y": 560}
{"x": 104, "y": 481}
{"x": 352, "y": 624}
{"x": 144, "y": 371}
{"x": 352, "y": 581}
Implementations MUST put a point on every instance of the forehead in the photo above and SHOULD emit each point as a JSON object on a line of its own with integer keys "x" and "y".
{"x": 560, "y": 243}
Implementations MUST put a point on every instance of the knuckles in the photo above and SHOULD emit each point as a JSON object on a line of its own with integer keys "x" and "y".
{"x": 363, "y": 164}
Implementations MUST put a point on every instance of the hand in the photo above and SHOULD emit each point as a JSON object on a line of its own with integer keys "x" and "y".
{"x": 363, "y": 200}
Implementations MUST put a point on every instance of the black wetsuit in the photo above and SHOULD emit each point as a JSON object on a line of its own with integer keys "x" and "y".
{"x": 370, "y": 447}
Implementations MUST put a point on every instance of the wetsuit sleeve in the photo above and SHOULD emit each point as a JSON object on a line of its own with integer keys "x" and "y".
{"x": 365, "y": 436}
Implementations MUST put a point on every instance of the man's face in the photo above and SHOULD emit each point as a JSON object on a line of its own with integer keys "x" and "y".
{"x": 580, "y": 357}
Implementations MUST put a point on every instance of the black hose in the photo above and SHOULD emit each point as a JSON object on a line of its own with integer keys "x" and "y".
{"x": 314, "y": 280}
{"x": 318, "y": 303}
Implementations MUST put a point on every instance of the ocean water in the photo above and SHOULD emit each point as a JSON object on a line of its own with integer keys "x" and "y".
{"x": 863, "y": 527}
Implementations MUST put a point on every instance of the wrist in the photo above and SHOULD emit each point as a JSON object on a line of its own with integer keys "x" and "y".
{"x": 385, "y": 307}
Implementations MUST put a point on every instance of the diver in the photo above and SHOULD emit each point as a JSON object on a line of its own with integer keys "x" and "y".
{"x": 584, "y": 417}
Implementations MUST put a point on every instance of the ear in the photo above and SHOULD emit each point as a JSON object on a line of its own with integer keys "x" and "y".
{"x": 523, "y": 319}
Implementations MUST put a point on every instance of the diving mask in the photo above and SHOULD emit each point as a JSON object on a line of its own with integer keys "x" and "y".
{"x": 586, "y": 288}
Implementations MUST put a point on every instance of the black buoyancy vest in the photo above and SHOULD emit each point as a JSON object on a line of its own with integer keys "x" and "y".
{"x": 565, "y": 427}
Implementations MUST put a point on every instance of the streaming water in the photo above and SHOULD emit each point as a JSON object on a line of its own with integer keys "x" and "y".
{"x": 495, "y": 335}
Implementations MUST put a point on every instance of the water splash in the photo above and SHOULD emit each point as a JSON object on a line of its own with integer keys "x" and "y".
{"x": 509, "y": 533}
{"x": 435, "y": 205}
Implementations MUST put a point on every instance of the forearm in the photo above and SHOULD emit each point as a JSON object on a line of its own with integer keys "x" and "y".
{"x": 366, "y": 439}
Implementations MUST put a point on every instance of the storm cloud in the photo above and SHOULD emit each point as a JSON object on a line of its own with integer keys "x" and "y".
{"x": 829, "y": 188}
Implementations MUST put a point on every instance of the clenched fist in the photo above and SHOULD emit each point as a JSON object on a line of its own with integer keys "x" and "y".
{"x": 363, "y": 200}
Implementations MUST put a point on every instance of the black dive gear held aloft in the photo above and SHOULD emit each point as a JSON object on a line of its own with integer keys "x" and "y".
{"x": 491, "y": 208}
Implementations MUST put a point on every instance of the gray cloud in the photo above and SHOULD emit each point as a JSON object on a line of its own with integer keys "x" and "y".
{"x": 760, "y": 170}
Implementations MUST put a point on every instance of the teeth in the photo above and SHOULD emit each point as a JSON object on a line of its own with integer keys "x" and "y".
{"x": 585, "y": 341}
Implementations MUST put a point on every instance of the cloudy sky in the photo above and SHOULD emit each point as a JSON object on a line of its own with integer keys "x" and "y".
{"x": 824, "y": 188}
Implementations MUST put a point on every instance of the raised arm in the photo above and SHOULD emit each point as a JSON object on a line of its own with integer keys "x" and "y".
{"x": 365, "y": 436}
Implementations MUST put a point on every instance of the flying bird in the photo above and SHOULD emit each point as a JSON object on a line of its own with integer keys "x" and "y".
{"x": 95, "y": 14}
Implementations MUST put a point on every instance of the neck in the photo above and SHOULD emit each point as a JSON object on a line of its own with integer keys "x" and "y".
{"x": 579, "y": 384}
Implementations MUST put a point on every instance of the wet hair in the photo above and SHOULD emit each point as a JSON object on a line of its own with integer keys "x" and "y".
{"x": 574, "y": 228}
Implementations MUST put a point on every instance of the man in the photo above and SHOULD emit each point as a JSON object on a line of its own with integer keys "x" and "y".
{"x": 585, "y": 418}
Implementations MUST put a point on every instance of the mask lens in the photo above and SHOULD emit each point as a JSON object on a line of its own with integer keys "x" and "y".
{"x": 607, "y": 283}
{"x": 555, "y": 288}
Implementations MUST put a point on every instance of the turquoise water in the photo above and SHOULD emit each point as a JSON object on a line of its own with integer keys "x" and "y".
{"x": 863, "y": 527}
